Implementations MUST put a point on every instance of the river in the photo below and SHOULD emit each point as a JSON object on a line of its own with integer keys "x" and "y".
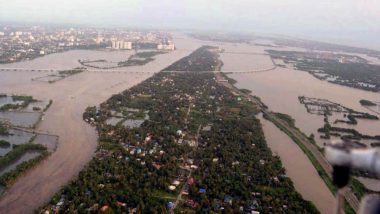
{"x": 279, "y": 89}
{"x": 77, "y": 140}
{"x": 298, "y": 167}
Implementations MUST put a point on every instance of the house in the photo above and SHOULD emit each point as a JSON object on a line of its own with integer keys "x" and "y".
{"x": 194, "y": 167}
{"x": 190, "y": 181}
{"x": 156, "y": 165}
{"x": 104, "y": 208}
{"x": 193, "y": 204}
{"x": 121, "y": 204}
{"x": 262, "y": 162}
{"x": 170, "y": 205}
{"x": 228, "y": 199}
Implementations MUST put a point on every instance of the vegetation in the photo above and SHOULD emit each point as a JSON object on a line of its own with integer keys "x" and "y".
{"x": 203, "y": 59}
{"x": 19, "y": 151}
{"x": 144, "y": 168}
{"x": 367, "y": 103}
{"x": 3, "y": 129}
{"x": 8, "y": 178}
{"x": 358, "y": 188}
{"x": 140, "y": 58}
{"x": 4, "y": 144}
{"x": 48, "y": 105}
{"x": 66, "y": 73}
{"x": 285, "y": 117}
{"x": 25, "y": 101}
{"x": 352, "y": 71}
{"x": 327, "y": 108}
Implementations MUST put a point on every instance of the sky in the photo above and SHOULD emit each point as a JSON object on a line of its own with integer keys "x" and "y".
{"x": 353, "y": 22}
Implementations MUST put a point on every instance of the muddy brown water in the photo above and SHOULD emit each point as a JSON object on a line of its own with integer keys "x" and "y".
{"x": 279, "y": 89}
{"x": 298, "y": 167}
{"x": 77, "y": 140}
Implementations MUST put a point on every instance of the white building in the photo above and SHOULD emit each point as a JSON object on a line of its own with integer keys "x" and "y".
{"x": 169, "y": 47}
{"x": 127, "y": 45}
{"x": 121, "y": 45}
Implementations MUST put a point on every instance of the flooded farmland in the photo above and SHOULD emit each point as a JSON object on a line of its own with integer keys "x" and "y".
{"x": 15, "y": 137}
{"x": 4, "y": 100}
{"x": 26, "y": 157}
{"x": 21, "y": 119}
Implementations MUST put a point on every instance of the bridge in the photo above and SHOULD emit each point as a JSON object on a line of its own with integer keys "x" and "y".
{"x": 44, "y": 70}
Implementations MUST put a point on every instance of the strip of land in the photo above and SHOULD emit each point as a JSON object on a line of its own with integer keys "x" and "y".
{"x": 201, "y": 148}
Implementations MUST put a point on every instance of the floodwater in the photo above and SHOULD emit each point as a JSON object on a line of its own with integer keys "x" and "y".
{"x": 4, "y": 100}
{"x": 298, "y": 167}
{"x": 40, "y": 105}
{"x": 20, "y": 119}
{"x": 26, "y": 157}
{"x": 15, "y": 137}
{"x": 77, "y": 140}
{"x": 50, "y": 141}
{"x": 279, "y": 89}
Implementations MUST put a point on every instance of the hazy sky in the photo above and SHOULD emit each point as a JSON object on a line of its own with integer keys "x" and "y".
{"x": 346, "y": 21}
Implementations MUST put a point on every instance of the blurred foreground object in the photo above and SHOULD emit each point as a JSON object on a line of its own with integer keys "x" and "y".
{"x": 343, "y": 157}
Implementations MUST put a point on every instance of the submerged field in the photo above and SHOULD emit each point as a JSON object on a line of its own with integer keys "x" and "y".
{"x": 20, "y": 146}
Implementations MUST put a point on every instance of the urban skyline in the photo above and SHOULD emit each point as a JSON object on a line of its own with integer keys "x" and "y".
{"x": 346, "y": 22}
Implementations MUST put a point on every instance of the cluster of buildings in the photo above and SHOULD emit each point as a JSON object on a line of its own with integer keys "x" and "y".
{"x": 168, "y": 46}
{"x": 121, "y": 45}
{"x": 25, "y": 43}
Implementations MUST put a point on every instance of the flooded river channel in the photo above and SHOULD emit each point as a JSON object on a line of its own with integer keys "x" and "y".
{"x": 279, "y": 89}
{"x": 70, "y": 96}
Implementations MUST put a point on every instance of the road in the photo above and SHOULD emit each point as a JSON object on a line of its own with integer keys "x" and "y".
{"x": 125, "y": 72}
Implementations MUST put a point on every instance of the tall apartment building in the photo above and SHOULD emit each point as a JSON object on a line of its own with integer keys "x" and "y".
{"x": 121, "y": 45}
{"x": 169, "y": 46}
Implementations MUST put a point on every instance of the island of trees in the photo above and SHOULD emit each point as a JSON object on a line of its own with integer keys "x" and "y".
{"x": 367, "y": 103}
{"x": 137, "y": 59}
